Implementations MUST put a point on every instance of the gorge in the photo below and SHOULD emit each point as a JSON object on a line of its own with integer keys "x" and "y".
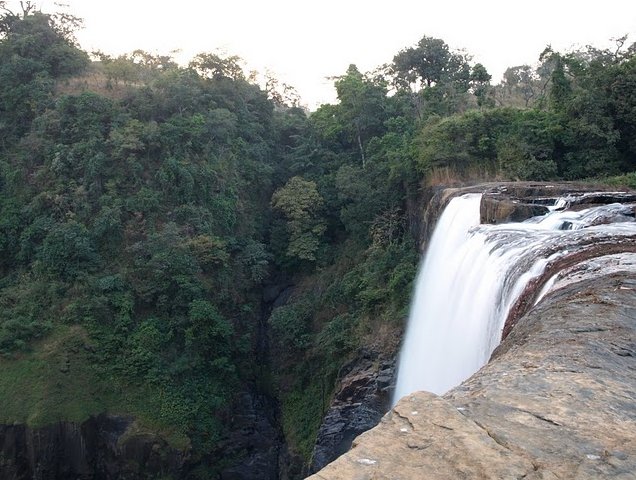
{"x": 201, "y": 279}
{"x": 541, "y": 386}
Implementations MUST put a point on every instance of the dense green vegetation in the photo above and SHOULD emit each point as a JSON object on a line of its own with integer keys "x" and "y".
{"x": 139, "y": 217}
{"x": 144, "y": 205}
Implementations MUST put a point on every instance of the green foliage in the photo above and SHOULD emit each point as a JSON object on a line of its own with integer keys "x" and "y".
{"x": 10, "y": 226}
{"x": 214, "y": 66}
{"x": 291, "y": 325}
{"x": 435, "y": 78}
{"x": 255, "y": 260}
{"x": 301, "y": 204}
{"x": 66, "y": 252}
{"x": 21, "y": 314}
{"x": 362, "y": 107}
{"x": 321, "y": 328}
{"x": 209, "y": 333}
{"x": 432, "y": 63}
{"x": 516, "y": 159}
{"x": 337, "y": 338}
{"x": 145, "y": 347}
{"x": 34, "y": 50}
{"x": 518, "y": 144}
{"x": 480, "y": 83}
{"x": 520, "y": 82}
{"x": 627, "y": 180}
{"x": 139, "y": 218}
{"x": 303, "y": 410}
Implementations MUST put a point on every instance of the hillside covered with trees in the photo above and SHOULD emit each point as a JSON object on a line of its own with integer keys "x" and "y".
{"x": 146, "y": 206}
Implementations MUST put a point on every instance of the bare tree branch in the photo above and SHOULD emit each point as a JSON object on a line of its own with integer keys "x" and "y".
{"x": 27, "y": 7}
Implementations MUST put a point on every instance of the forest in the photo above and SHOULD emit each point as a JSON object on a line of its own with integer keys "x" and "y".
{"x": 146, "y": 206}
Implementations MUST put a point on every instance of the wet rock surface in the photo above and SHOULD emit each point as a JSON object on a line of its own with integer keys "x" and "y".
{"x": 518, "y": 202}
{"x": 497, "y": 210}
{"x": 362, "y": 398}
{"x": 557, "y": 400}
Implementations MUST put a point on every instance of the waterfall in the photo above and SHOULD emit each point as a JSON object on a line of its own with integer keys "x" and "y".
{"x": 470, "y": 277}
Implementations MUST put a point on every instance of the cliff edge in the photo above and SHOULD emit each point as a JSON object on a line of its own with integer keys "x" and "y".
{"x": 557, "y": 400}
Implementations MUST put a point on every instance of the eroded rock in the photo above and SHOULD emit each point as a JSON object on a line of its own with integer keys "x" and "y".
{"x": 516, "y": 203}
{"x": 421, "y": 438}
{"x": 504, "y": 210}
{"x": 363, "y": 397}
{"x": 558, "y": 400}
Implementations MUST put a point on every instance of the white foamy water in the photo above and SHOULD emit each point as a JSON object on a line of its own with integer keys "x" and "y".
{"x": 470, "y": 277}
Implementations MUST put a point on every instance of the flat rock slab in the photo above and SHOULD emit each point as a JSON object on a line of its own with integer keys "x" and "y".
{"x": 420, "y": 438}
{"x": 557, "y": 401}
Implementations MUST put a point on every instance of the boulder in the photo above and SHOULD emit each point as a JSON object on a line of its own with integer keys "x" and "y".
{"x": 504, "y": 210}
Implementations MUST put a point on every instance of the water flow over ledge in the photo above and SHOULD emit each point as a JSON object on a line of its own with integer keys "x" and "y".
{"x": 469, "y": 279}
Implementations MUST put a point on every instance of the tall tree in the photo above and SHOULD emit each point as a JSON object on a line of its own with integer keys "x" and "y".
{"x": 431, "y": 68}
{"x": 215, "y": 66}
{"x": 431, "y": 62}
{"x": 520, "y": 81}
{"x": 480, "y": 85}
{"x": 301, "y": 204}
{"x": 362, "y": 105}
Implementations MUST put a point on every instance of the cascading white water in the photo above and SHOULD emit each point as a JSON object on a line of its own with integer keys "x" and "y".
{"x": 470, "y": 277}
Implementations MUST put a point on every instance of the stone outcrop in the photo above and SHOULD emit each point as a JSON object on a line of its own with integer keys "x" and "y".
{"x": 362, "y": 398}
{"x": 557, "y": 400}
{"x": 102, "y": 447}
{"x": 496, "y": 210}
{"x": 516, "y": 203}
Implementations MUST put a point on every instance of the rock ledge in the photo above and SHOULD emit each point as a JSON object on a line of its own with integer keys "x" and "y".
{"x": 558, "y": 400}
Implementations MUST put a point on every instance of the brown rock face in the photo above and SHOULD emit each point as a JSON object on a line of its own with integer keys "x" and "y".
{"x": 558, "y": 400}
{"x": 495, "y": 210}
{"x": 361, "y": 400}
{"x": 502, "y": 205}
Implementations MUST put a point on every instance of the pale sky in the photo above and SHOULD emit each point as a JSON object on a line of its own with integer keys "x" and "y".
{"x": 304, "y": 42}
